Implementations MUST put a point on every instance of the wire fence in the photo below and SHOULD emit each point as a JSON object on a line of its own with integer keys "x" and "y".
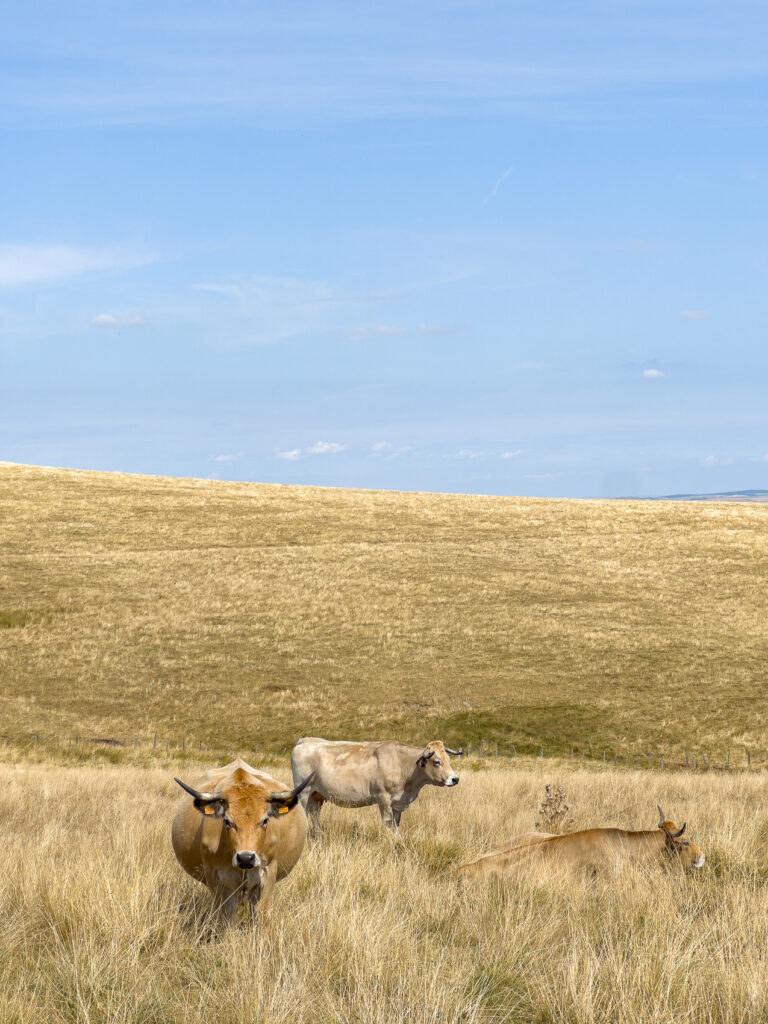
{"x": 738, "y": 759}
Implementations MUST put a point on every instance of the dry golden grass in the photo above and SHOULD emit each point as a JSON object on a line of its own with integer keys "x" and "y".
{"x": 100, "y": 925}
{"x": 244, "y": 613}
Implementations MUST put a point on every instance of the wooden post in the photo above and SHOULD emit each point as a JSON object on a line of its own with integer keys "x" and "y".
{"x": 154, "y": 742}
{"x": 662, "y": 762}
{"x": 637, "y": 760}
{"x": 571, "y": 753}
{"x": 749, "y": 758}
{"x": 201, "y": 746}
{"x": 469, "y": 750}
{"x": 582, "y": 755}
{"x": 686, "y": 761}
{"x": 183, "y": 745}
{"x": 541, "y": 752}
{"x": 496, "y": 750}
{"x": 728, "y": 762}
{"x": 168, "y": 744}
{"x": 603, "y": 757}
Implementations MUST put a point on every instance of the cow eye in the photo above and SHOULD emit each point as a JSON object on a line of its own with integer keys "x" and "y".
{"x": 437, "y": 762}
{"x": 229, "y": 823}
{"x": 265, "y": 822}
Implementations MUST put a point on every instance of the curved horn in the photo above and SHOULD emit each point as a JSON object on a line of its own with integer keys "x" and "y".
{"x": 676, "y": 835}
{"x": 290, "y": 795}
{"x": 662, "y": 819}
{"x": 205, "y": 798}
{"x": 455, "y": 753}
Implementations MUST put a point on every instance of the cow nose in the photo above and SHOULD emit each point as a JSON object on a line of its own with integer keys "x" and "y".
{"x": 245, "y": 860}
{"x": 454, "y": 780}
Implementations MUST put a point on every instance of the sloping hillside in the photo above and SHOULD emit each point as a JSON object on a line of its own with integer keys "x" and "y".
{"x": 244, "y": 613}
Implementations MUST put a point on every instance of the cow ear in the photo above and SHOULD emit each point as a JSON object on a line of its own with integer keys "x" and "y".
{"x": 281, "y": 803}
{"x": 210, "y": 808}
{"x": 425, "y": 756}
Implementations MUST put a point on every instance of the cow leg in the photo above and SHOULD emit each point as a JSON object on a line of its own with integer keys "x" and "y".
{"x": 314, "y": 805}
{"x": 260, "y": 896}
{"x": 390, "y": 818}
{"x": 396, "y": 815}
{"x": 225, "y": 903}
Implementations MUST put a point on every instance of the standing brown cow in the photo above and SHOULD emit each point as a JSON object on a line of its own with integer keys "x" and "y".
{"x": 239, "y": 831}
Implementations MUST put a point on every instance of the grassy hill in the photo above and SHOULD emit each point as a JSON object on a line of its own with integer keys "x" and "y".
{"x": 246, "y": 613}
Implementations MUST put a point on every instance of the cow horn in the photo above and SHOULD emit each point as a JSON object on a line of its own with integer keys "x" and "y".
{"x": 454, "y": 753}
{"x": 288, "y": 795}
{"x": 676, "y": 835}
{"x": 662, "y": 819}
{"x": 205, "y": 798}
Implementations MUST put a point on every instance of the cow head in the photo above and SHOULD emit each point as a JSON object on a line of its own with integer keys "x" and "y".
{"x": 245, "y": 811}
{"x": 435, "y": 767}
{"x": 689, "y": 855}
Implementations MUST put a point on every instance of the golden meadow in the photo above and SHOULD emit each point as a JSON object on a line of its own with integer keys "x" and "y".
{"x": 243, "y": 614}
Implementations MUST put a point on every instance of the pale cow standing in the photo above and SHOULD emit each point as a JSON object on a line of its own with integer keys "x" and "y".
{"x": 239, "y": 831}
{"x": 382, "y": 772}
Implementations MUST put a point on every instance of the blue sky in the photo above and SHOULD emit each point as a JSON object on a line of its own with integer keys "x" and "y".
{"x": 509, "y": 248}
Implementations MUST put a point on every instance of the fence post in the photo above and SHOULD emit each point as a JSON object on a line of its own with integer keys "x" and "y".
{"x": 496, "y": 750}
{"x": 168, "y": 744}
{"x": 154, "y": 742}
{"x": 582, "y": 755}
{"x": 693, "y": 763}
{"x": 686, "y": 761}
{"x": 541, "y": 752}
{"x": 728, "y": 762}
{"x": 637, "y": 760}
{"x": 662, "y": 762}
{"x": 514, "y": 750}
{"x": 571, "y": 753}
{"x": 749, "y": 758}
{"x": 603, "y": 757}
{"x": 183, "y": 745}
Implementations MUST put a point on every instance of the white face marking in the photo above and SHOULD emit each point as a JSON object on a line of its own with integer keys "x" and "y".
{"x": 699, "y": 862}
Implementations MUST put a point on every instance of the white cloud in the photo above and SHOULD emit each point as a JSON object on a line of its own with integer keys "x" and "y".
{"x": 492, "y": 194}
{"x": 109, "y": 320}
{"x": 378, "y": 331}
{"x": 291, "y": 456}
{"x": 229, "y": 458}
{"x": 33, "y": 264}
{"x": 653, "y": 374}
{"x": 714, "y": 460}
{"x": 381, "y": 446}
{"x": 325, "y": 448}
{"x": 465, "y": 453}
{"x": 512, "y": 455}
{"x": 694, "y": 314}
{"x": 271, "y": 309}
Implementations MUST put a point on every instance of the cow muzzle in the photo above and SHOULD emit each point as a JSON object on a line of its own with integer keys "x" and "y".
{"x": 699, "y": 862}
{"x": 453, "y": 781}
{"x": 245, "y": 860}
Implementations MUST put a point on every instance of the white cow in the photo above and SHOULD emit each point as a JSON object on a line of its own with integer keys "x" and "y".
{"x": 380, "y": 772}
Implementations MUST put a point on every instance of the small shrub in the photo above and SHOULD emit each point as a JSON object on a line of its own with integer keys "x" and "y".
{"x": 553, "y": 812}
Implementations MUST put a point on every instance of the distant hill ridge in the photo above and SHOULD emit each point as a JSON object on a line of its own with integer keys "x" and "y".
{"x": 751, "y": 495}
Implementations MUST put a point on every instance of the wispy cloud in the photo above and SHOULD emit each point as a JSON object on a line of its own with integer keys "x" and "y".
{"x": 500, "y": 181}
{"x": 394, "y": 330}
{"x": 318, "y": 448}
{"x": 271, "y": 308}
{"x": 22, "y": 265}
{"x": 694, "y": 314}
{"x": 325, "y": 448}
{"x": 229, "y": 458}
{"x": 466, "y": 453}
{"x": 381, "y": 446}
{"x": 513, "y": 454}
{"x": 111, "y": 320}
{"x": 716, "y": 460}
{"x": 652, "y": 374}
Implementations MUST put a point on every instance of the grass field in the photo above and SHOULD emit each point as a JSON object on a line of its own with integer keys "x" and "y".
{"x": 242, "y": 613}
{"x": 100, "y": 925}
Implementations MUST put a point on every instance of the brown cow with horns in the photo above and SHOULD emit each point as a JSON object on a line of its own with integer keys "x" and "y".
{"x": 239, "y": 831}
{"x": 593, "y": 848}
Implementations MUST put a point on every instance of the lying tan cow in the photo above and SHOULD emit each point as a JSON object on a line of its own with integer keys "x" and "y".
{"x": 239, "y": 831}
{"x": 382, "y": 772}
{"x": 594, "y": 848}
